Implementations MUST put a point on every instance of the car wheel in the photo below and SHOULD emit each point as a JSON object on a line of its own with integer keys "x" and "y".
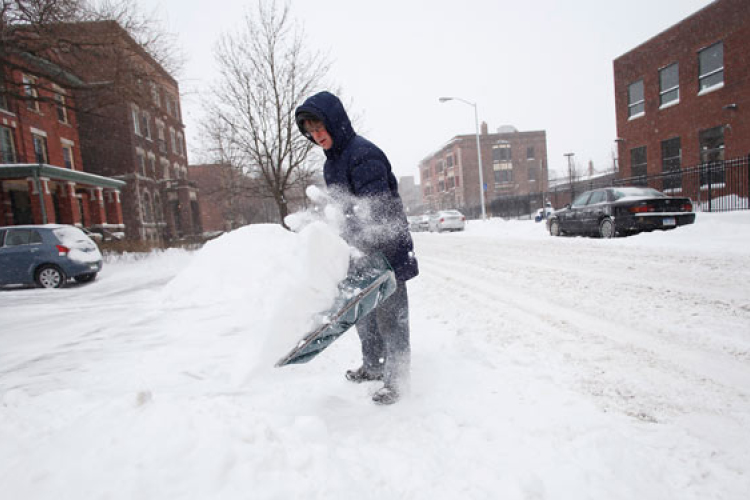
{"x": 607, "y": 228}
{"x": 554, "y": 228}
{"x": 50, "y": 277}
{"x": 85, "y": 278}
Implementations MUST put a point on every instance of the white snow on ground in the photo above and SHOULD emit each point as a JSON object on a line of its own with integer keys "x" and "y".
{"x": 544, "y": 368}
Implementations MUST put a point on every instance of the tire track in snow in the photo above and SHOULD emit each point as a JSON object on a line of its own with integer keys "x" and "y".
{"x": 592, "y": 344}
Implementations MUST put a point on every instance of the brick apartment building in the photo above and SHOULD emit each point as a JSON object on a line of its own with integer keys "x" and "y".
{"x": 42, "y": 177}
{"x": 513, "y": 164}
{"x": 683, "y": 97}
{"x": 132, "y": 129}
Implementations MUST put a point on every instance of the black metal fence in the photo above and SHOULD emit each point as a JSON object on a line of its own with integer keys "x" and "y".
{"x": 720, "y": 186}
{"x": 713, "y": 187}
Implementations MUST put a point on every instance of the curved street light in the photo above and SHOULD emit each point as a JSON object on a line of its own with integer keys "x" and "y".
{"x": 479, "y": 150}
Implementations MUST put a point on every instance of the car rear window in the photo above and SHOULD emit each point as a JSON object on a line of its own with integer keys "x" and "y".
{"x": 633, "y": 192}
{"x": 68, "y": 236}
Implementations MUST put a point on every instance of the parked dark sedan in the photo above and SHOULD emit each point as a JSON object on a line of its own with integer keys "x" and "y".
{"x": 621, "y": 211}
{"x": 47, "y": 255}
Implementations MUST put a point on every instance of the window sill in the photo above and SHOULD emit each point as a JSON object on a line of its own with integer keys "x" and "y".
{"x": 643, "y": 113}
{"x": 717, "y": 185}
{"x": 669, "y": 104}
{"x": 7, "y": 112}
{"x": 714, "y": 88}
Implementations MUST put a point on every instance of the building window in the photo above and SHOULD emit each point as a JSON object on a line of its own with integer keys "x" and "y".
{"x": 30, "y": 91}
{"x": 669, "y": 85}
{"x": 158, "y": 209}
{"x": 147, "y": 208}
{"x": 136, "y": 120}
{"x": 533, "y": 174}
{"x": 61, "y": 105}
{"x": 7, "y": 146}
{"x": 501, "y": 152}
{"x": 152, "y": 165}
{"x": 449, "y": 160}
{"x": 3, "y": 93}
{"x": 636, "y": 101}
{"x": 146, "y": 124}
{"x": 40, "y": 148}
{"x": 181, "y": 144}
{"x": 141, "y": 163}
{"x": 162, "y": 138}
{"x": 175, "y": 108}
{"x": 530, "y": 153}
{"x": 711, "y": 67}
{"x": 67, "y": 151}
{"x": 501, "y": 163}
{"x": 156, "y": 94}
{"x": 173, "y": 138}
{"x": 712, "y": 155}
{"x": 638, "y": 165}
{"x": 503, "y": 173}
{"x": 671, "y": 163}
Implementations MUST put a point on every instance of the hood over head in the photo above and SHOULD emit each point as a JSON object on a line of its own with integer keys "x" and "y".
{"x": 327, "y": 108}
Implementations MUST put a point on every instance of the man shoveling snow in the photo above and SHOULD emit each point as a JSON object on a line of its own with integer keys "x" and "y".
{"x": 360, "y": 179}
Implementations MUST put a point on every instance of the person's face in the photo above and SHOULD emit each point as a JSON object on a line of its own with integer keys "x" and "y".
{"x": 319, "y": 134}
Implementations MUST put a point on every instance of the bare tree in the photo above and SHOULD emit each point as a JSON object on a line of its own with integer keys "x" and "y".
{"x": 265, "y": 74}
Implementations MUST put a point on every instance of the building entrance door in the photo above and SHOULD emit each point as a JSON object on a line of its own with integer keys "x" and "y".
{"x": 20, "y": 205}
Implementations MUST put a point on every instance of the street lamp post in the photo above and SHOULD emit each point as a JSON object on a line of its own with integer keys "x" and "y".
{"x": 479, "y": 150}
{"x": 571, "y": 175}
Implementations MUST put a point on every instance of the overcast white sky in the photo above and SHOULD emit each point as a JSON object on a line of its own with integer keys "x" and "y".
{"x": 537, "y": 65}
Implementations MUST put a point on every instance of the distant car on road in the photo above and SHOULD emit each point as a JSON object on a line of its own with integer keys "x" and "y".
{"x": 47, "y": 255}
{"x": 621, "y": 211}
{"x": 419, "y": 223}
{"x": 447, "y": 220}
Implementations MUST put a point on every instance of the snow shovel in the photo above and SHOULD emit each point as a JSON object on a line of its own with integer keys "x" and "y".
{"x": 368, "y": 283}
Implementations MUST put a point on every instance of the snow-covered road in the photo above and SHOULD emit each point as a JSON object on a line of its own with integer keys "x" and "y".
{"x": 543, "y": 368}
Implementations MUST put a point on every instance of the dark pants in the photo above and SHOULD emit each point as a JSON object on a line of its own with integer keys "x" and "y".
{"x": 385, "y": 339}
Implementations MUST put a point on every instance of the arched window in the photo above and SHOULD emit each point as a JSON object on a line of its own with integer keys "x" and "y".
{"x": 148, "y": 212}
{"x": 158, "y": 208}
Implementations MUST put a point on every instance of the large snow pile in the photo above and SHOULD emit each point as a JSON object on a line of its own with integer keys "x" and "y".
{"x": 269, "y": 281}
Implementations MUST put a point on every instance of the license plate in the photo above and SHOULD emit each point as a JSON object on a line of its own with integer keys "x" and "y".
{"x": 94, "y": 267}
{"x": 668, "y": 221}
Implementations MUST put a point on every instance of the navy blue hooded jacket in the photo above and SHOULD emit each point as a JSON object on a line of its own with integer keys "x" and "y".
{"x": 359, "y": 177}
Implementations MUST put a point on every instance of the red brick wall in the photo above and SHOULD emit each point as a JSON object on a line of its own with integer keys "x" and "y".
{"x": 45, "y": 120}
{"x": 724, "y": 20}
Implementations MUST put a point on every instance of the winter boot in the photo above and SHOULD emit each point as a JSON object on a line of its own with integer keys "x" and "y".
{"x": 386, "y": 396}
{"x": 361, "y": 375}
